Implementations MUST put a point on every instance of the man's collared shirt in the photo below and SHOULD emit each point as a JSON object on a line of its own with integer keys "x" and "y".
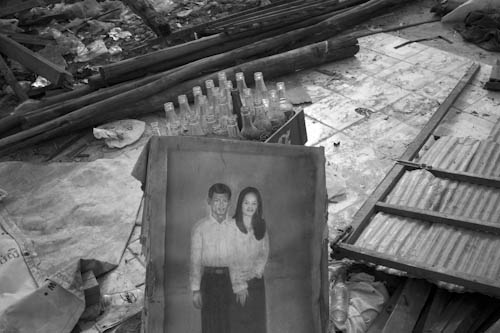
{"x": 211, "y": 246}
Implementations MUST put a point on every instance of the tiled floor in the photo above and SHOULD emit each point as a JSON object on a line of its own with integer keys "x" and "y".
{"x": 375, "y": 104}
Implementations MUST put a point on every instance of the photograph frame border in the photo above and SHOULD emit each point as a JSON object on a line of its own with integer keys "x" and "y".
{"x": 155, "y": 182}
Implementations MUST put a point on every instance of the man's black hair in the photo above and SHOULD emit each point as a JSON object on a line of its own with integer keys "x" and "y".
{"x": 219, "y": 188}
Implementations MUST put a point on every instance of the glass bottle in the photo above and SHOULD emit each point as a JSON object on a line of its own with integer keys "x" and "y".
{"x": 339, "y": 300}
{"x": 248, "y": 130}
{"x": 184, "y": 111}
{"x": 260, "y": 88}
{"x": 196, "y": 96}
{"x": 240, "y": 82}
{"x": 210, "y": 121}
{"x": 222, "y": 79}
{"x": 194, "y": 127}
{"x": 229, "y": 87}
{"x": 174, "y": 125}
{"x": 232, "y": 127}
{"x": 262, "y": 121}
{"x": 211, "y": 95}
{"x": 224, "y": 113}
{"x": 248, "y": 101}
{"x": 235, "y": 97}
{"x": 276, "y": 115}
{"x": 285, "y": 104}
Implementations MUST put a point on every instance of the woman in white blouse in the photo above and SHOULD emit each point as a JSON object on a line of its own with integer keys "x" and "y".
{"x": 247, "y": 275}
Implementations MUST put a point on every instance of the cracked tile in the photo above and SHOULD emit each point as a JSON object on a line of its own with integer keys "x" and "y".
{"x": 335, "y": 110}
{"x": 482, "y": 76}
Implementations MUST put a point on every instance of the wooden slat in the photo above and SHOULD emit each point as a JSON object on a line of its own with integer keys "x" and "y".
{"x": 407, "y": 309}
{"x": 20, "y": 6}
{"x": 437, "y": 217}
{"x": 155, "y": 215}
{"x": 363, "y": 215}
{"x": 34, "y": 62}
{"x": 418, "y": 269}
{"x": 11, "y": 80}
{"x": 378, "y": 324}
{"x": 455, "y": 175}
{"x": 437, "y": 307}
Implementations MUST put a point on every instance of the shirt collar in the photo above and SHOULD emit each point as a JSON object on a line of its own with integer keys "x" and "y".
{"x": 211, "y": 218}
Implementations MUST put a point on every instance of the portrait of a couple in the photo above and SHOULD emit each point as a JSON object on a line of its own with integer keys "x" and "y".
{"x": 228, "y": 257}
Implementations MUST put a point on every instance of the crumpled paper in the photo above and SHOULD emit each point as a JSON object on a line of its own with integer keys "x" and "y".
{"x": 121, "y": 133}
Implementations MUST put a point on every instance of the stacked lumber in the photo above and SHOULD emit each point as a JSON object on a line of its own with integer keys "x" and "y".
{"x": 142, "y": 84}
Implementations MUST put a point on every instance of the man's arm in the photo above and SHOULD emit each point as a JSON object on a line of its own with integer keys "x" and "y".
{"x": 196, "y": 251}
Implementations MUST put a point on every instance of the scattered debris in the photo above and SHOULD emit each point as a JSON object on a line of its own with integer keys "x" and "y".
{"x": 493, "y": 82}
{"x": 422, "y": 40}
{"x": 120, "y": 133}
{"x": 3, "y": 194}
{"x": 364, "y": 112}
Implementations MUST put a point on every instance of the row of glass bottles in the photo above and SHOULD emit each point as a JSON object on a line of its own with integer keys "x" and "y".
{"x": 225, "y": 111}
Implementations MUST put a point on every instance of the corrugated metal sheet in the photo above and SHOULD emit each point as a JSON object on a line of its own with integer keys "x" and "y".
{"x": 495, "y": 133}
{"x": 437, "y": 245}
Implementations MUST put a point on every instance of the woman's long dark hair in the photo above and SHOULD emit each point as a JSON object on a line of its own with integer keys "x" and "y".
{"x": 258, "y": 222}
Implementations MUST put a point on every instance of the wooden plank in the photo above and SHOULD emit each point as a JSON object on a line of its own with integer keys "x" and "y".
{"x": 28, "y": 38}
{"x": 379, "y": 322}
{"x": 58, "y": 76}
{"x": 407, "y": 309}
{"x": 11, "y": 80}
{"x": 495, "y": 328}
{"x": 438, "y": 217}
{"x": 418, "y": 269}
{"x": 155, "y": 211}
{"x": 438, "y": 305}
{"x": 455, "y": 175}
{"x": 472, "y": 313}
{"x": 363, "y": 215}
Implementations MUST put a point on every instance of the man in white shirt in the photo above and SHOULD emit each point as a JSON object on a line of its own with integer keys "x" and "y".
{"x": 211, "y": 256}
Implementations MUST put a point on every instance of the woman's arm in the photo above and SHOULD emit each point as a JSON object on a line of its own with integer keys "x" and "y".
{"x": 262, "y": 255}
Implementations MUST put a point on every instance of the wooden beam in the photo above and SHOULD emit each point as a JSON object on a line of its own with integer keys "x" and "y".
{"x": 58, "y": 76}
{"x": 28, "y": 38}
{"x": 407, "y": 309}
{"x": 363, "y": 215}
{"x": 11, "y": 80}
{"x": 419, "y": 269}
{"x": 437, "y": 217}
{"x": 462, "y": 176}
{"x": 19, "y": 6}
{"x": 155, "y": 215}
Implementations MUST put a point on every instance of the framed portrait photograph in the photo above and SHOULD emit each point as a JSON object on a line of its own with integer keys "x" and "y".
{"x": 234, "y": 236}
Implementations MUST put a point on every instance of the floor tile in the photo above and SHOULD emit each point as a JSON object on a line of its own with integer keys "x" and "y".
{"x": 387, "y": 46}
{"x": 357, "y": 162}
{"x": 316, "y": 131}
{"x": 482, "y": 76}
{"x": 310, "y": 77}
{"x": 439, "y": 61}
{"x": 336, "y": 111}
{"x": 487, "y": 108}
{"x": 389, "y": 136}
{"x": 408, "y": 76}
{"x": 413, "y": 110}
{"x": 463, "y": 124}
{"x": 439, "y": 89}
{"x": 368, "y": 91}
{"x": 342, "y": 218}
{"x": 372, "y": 41}
{"x": 470, "y": 95}
{"x": 365, "y": 61}
{"x": 317, "y": 93}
